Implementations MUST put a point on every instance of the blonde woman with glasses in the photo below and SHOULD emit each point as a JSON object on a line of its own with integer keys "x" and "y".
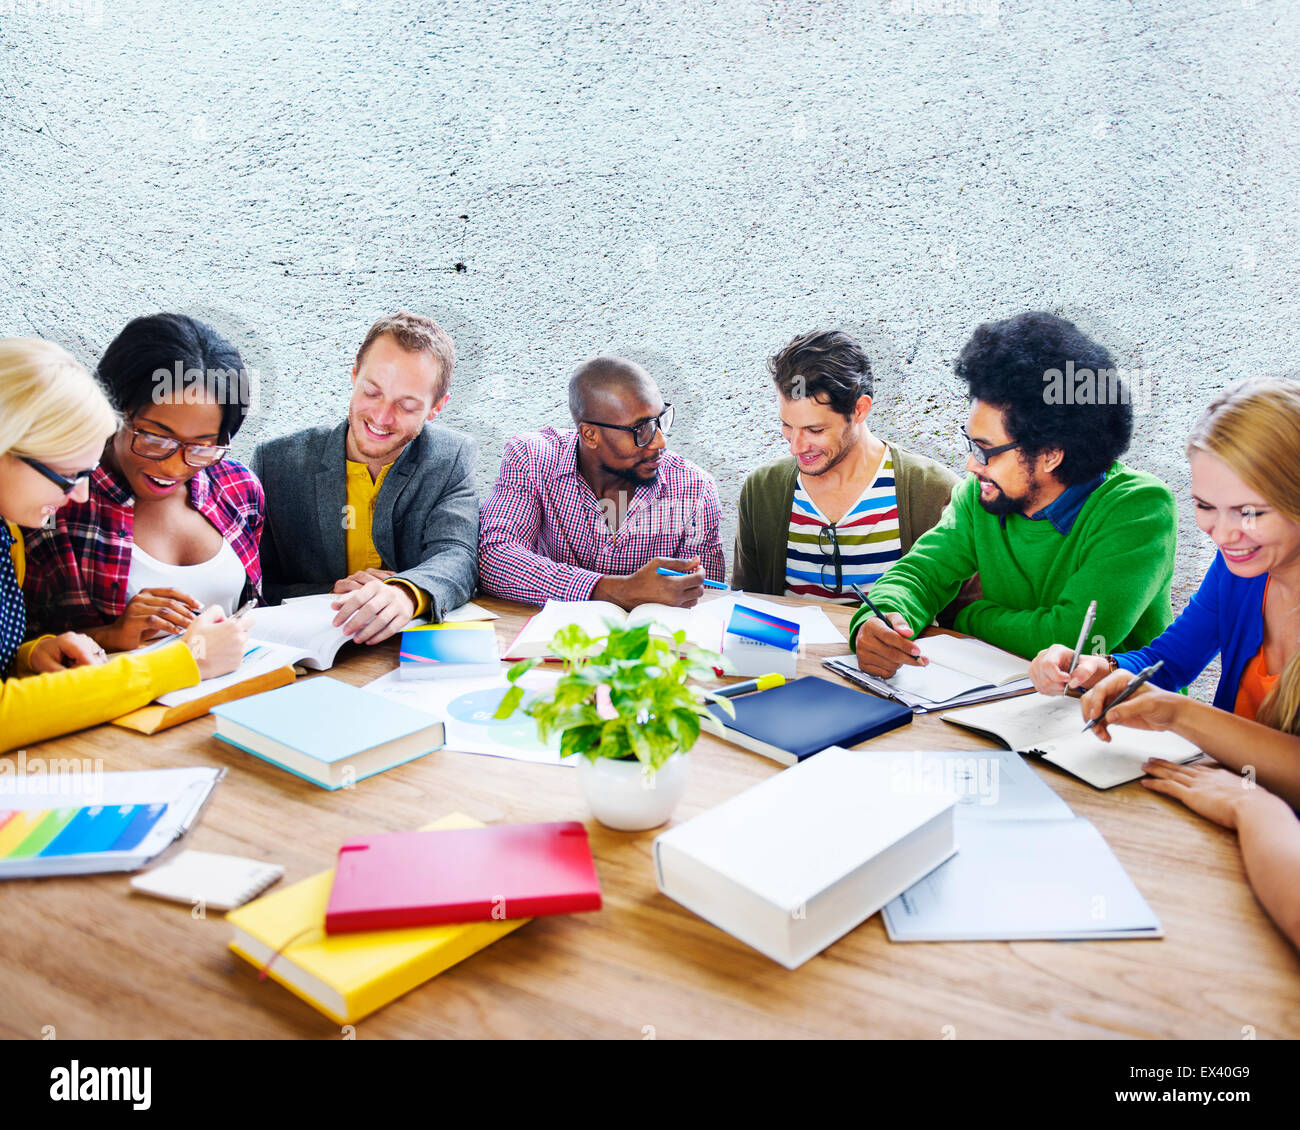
{"x": 54, "y": 421}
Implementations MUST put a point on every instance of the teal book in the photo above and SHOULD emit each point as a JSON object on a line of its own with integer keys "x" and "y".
{"x": 328, "y": 732}
{"x": 449, "y": 651}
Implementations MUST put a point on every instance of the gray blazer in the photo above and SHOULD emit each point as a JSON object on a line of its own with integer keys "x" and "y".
{"x": 426, "y": 514}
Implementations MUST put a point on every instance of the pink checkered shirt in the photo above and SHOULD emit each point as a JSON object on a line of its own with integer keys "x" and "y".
{"x": 543, "y": 533}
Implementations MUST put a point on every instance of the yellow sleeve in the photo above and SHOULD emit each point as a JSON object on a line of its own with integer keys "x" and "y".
{"x": 37, "y": 707}
{"x": 418, "y": 594}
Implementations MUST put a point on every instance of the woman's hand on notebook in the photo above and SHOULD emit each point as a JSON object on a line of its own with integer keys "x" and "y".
{"x": 883, "y": 650}
{"x": 217, "y": 643}
{"x": 1149, "y": 708}
{"x": 1050, "y": 670}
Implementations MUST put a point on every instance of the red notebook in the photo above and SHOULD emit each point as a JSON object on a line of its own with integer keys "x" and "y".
{"x": 463, "y": 875}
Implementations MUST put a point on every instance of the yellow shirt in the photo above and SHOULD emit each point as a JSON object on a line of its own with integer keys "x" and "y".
{"x": 362, "y": 553}
{"x": 36, "y": 707}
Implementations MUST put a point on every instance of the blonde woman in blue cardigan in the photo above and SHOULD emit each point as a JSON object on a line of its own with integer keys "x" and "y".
{"x": 54, "y": 422}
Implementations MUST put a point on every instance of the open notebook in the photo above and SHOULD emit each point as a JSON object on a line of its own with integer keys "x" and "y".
{"x": 702, "y": 628}
{"x": 961, "y": 671}
{"x": 1051, "y": 728}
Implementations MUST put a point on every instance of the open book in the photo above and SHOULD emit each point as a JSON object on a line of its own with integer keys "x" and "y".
{"x": 1051, "y": 727}
{"x": 298, "y": 632}
{"x": 702, "y": 627}
{"x": 961, "y": 671}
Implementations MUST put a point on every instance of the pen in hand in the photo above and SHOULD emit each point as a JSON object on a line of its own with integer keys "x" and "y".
{"x": 1088, "y": 621}
{"x": 708, "y": 584}
{"x": 862, "y": 596}
{"x": 1128, "y": 692}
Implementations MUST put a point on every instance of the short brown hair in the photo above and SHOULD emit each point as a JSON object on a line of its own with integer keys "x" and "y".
{"x": 416, "y": 334}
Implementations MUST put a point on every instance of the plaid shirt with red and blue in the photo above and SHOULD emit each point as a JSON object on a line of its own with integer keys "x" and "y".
{"x": 544, "y": 535}
{"x": 77, "y": 570}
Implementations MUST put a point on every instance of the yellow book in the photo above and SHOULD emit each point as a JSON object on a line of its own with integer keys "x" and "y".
{"x": 348, "y": 976}
{"x": 154, "y": 717}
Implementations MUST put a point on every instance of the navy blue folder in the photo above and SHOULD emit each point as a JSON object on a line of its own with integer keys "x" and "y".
{"x": 803, "y": 717}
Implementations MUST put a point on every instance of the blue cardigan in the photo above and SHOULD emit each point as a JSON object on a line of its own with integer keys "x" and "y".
{"x": 1226, "y": 615}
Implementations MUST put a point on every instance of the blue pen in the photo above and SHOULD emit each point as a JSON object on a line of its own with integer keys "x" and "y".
{"x": 707, "y": 583}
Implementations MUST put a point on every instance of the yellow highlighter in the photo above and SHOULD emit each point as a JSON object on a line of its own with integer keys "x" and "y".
{"x": 762, "y": 683}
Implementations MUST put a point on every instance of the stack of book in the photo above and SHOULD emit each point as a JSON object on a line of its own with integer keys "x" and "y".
{"x": 399, "y": 909}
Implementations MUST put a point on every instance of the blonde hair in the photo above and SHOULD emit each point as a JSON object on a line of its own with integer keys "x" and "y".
{"x": 50, "y": 407}
{"x": 416, "y": 334}
{"x": 1254, "y": 427}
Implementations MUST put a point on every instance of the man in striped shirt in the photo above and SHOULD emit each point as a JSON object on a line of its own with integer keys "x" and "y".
{"x": 593, "y": 514}
{"x": 844, "y": 505}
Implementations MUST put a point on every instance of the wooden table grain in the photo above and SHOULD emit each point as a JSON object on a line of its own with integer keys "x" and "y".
{"x": 86, "y": 959}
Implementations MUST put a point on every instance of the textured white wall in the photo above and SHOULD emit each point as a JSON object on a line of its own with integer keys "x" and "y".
{"x": 687, "y": 184}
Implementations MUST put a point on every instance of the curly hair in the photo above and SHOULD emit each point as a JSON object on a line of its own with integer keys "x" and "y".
{"x": 1015, "y": 364}
{"x": 827, "y": 366}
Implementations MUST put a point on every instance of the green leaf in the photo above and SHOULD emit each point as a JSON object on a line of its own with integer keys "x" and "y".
{"x": 509, "y": 702}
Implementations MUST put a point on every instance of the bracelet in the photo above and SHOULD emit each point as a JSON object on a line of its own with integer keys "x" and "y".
{"x": 1114, "y": 663}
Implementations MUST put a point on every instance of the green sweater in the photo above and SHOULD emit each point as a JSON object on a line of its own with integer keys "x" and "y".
{"x": 767, "y": 497}
{"x": 1037, "y": 583}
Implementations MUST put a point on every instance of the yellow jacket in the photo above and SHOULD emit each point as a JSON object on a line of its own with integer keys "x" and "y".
{"x": 35, "y": 707}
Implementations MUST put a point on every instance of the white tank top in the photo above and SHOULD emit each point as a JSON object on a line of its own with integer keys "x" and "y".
{"x": 219, "y": 580}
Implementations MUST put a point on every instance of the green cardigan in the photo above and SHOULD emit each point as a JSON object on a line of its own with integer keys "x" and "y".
{"x": 1036, "y": 582}
{"x": 767, "y": 497}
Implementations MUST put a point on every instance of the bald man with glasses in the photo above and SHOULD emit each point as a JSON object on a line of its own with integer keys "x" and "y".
{"x": 595, "y": 512}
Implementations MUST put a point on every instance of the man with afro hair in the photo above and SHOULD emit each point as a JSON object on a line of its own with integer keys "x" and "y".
{"x": 1049, "y": 519}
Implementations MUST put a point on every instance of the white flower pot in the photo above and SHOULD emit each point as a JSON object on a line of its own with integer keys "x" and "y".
{"x": 622, "y": 795}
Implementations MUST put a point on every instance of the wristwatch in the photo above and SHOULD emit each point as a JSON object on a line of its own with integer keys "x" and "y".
{"x": 1114, "y": 663}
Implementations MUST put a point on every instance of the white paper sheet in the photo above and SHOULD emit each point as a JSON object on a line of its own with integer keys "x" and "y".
{"x": 465, "y": 707}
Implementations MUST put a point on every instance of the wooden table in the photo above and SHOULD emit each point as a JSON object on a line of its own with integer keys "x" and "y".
{"x": 83, "y": 956}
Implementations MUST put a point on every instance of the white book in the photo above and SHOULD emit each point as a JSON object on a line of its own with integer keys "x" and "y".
{"x": 1051, "y": 727}
{"x": 702, "y": 628}
{"x": 796, "y": 862}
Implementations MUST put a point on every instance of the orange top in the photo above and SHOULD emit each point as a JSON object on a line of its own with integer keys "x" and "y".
{"x": 1256, "y": 682}
{"x": 1254, "y": 688}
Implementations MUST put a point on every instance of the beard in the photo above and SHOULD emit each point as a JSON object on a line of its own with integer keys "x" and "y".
{"x": 833, "y": 459}
{"x": 631, "y": 474}
{"x": 1002, "y": 503}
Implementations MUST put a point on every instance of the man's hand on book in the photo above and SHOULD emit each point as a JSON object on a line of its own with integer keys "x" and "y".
{"x": 374, "y": 611}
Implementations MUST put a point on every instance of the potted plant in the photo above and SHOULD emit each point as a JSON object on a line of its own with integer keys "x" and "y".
{"x": 625, "y": 703}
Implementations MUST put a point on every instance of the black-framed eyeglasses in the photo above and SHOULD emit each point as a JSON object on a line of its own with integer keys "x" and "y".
{"x": 829, "y": 543}
{"x": 150, "y": 445}
{"x": 644, "y": 432}
{"x": 65, "y": 484}
{"x": 984, "y": 454}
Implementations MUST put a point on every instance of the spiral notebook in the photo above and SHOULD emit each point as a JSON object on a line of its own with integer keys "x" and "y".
{"x": 220, "y": 882}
